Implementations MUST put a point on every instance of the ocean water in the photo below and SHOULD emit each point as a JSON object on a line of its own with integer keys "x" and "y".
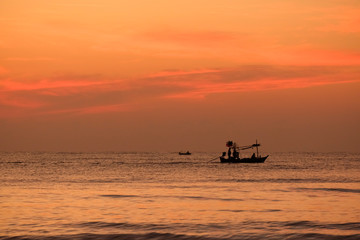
{"x": 167, "y": 196}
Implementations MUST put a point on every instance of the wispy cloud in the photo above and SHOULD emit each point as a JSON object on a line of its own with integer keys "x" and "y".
{"x": 169, "y": 73}
{"x": 33, "y": 59}
{"x": 256, "y": 78}
{"x": 94, "y": 109}
{"x": 52, "y": 86}
{"x": 55, "y": 96}
{"x": 304, "y": 55}
{"x": 20, "y": 102}
{"x": 194, "y": 38}
{"x": 342, "y": 19}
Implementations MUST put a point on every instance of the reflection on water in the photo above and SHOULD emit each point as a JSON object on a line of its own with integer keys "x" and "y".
{"x": 167, "y": 196}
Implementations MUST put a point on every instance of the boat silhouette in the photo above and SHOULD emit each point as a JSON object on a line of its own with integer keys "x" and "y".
{"x": 185, "y": 153}
{"x": 234, "y": 154}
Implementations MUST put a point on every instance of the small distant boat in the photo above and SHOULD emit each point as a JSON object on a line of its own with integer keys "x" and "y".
{"x": 185, "y": 153}
{"x": 234, "y": 157}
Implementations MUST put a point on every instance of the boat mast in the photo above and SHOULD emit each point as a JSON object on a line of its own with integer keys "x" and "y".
{"x": 257, "y": 150}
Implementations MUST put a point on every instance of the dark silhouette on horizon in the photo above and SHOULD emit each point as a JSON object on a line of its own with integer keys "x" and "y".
{"x": 185, "y": 153}
{"x": 235, "y": 156}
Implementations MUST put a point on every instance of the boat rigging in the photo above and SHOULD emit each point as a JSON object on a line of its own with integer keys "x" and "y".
{"x": 234, "y": 154}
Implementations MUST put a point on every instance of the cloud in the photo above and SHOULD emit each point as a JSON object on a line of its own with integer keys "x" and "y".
{"x": 176, "y": 43}
{"x": 33, "y": 59}
{"x": 20, "y": 102}
{"x": 297, "y": 47}
{"x": 93, "y": 109}
{"x": 53, "y": 86}
{"x": 75, "y": 93}
{"x": 255, "y": 78}
{"x": 93, "y": 95}
{"x": 341, "y": 19}
{"x": 169, "y": 73}
{"x": 192, "y": 38}
{"x": 304, "y": 55}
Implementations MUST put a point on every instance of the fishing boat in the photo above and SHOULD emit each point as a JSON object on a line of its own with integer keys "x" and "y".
{"x": 185, "y": 153}
{"x": 234, "y": 154}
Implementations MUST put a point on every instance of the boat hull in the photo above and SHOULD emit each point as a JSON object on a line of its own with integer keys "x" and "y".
{"x": 180, "y": 153}
{"x": 243, "y": 160}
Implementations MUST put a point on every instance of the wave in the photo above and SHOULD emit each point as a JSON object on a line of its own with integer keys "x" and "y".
{"x": 347, "y": 190}
{"x": 118, "y": 196}
{"x": 318, "y": 236}
{"x": 166, "y": 196}
{"x": 274, "y": 180}
{"x": 252, "y": 230}
{"x": 170, "y": 236}
{"x": 247, "y": 225}
{"x": 87, "y": 236}
{"x": 309, "y": 224}
{"x": 239, "y": 211}
{"x": 289, "y": 180}
{"x": 179, "y": 162}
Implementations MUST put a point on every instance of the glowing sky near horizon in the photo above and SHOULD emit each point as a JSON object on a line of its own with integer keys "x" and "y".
{"x": 91, "y": 75}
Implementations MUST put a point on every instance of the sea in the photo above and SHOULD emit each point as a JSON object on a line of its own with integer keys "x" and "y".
{"x": 131, "y": 195}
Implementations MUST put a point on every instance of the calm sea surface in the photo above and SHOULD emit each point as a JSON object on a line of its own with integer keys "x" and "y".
{"x": 167, "y": 196}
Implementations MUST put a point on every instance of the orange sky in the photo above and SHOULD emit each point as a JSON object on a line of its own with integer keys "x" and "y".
{"x": 91, "y": 75}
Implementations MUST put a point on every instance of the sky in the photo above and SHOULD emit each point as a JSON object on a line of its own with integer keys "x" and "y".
{"x": 114, "y": 75}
